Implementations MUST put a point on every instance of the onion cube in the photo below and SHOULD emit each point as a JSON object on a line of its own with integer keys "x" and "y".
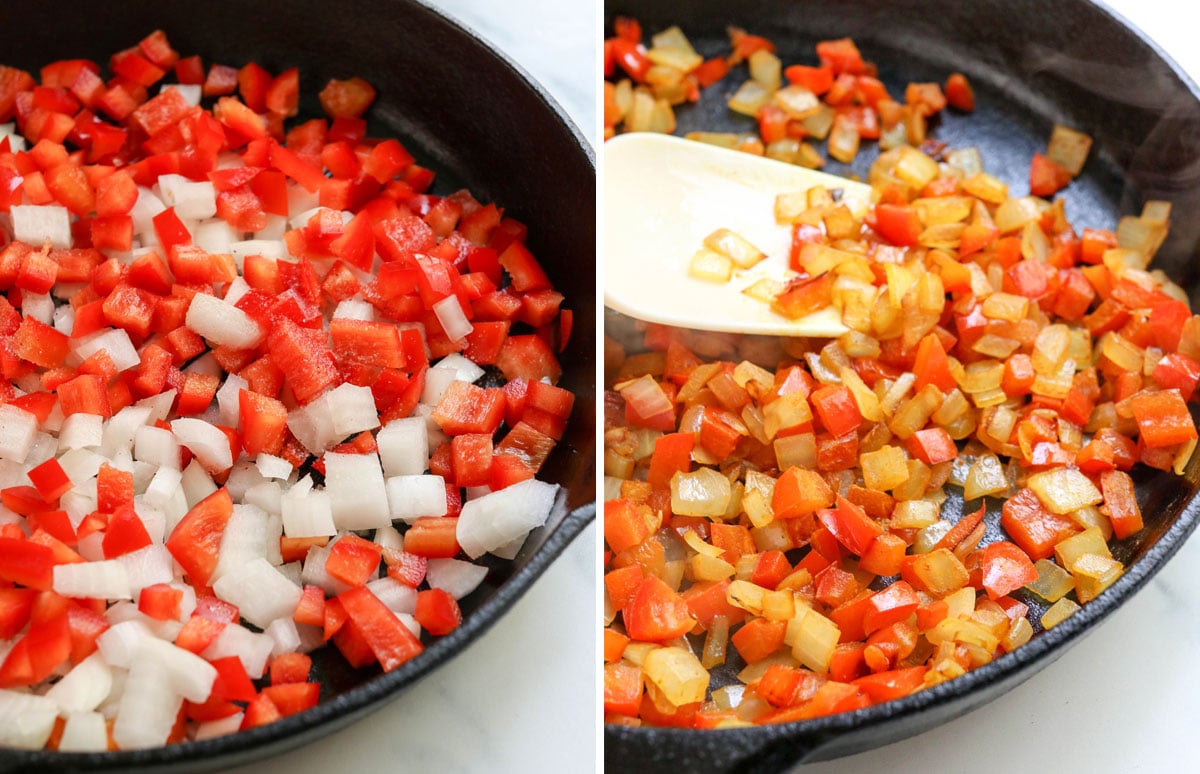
{"x": 404, "y": 447}
{"x": 251, "y": 648}
{"x": 84, "y": 687}
{"x": 356, "y": 491}
{"x": 411, "y": 497}
{"x": 147, "y": 566}
{"x": 210, "y": 445}
{"x": 113, "y": 341}
{"x": 283, "y": 631}
{"x": 307, "y": 514}
{"x": 270, "y": 466}
{"x": 159, "y": 405}
{"x": 260, "y": 592}
{"x": 496, "y": 519}
{"x": 221, "y": 323}
{"x": 191, "y": 200}
{"x": 228, "y": 399}
{"x": 197, "y": 484}
{"x": 223, "y": 727}
{"x": 92, "y": 580}
{"x": 214, "y": 236}
{"x": 398, "y": 597}
{"x": 120, "y": 430}
{"x": 84, "y": 732}
{"x": 26, "y": 720}
{"x": 156, "y": 446}
{"x": 437, "y": 381}
{"x": 148, "y": 707}
{"x": 144, "y": 209}
{"x": 17, "y": 431}
{"x": 34, "y": 224}
{"x": 465, "y": 369}
{"x": 351, "y": 409}
{"x": 454, "y": 576}
{"x": 120, "y": 642}
{"x": 39, "y": 306}
{"x": 80, "y": 431}
{"x": 353, "y": 309}
{"x": 268, "y": 248}
{"x": 454, "y": 321}
{"x": 246, "y": 538}
{"x": 163, "y": 487}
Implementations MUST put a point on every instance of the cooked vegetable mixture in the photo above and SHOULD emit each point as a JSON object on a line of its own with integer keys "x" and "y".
{"x": 791, "y": 507}
{"x": 240, "y": 415}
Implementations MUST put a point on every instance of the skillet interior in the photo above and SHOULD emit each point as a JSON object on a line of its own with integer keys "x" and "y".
{"x": 470, "y": 114}
{"x": 1032, "y": 65}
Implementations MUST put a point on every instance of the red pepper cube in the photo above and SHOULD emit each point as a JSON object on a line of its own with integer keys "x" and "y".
{"x": 471, "y": 458}
{"x": 50, "y": 480}
{"x": 160, "y": 602}
{"x": 387, "y": 636}
{"x": 353, "y": 560}
{"x": 433, "y": 537}
{"x": 466, "y": 408}
{"x": 40, "y": 344}
{"x": 1163, "y": 418}
{"x": 437, "y": 612}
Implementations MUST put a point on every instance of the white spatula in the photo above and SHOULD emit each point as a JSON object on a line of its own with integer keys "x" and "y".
{"x": 663, "y": 195}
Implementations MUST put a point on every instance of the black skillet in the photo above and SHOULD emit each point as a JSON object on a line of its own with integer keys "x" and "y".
{"x": 1032, "y": 64}
{"x": 479, "y": 121}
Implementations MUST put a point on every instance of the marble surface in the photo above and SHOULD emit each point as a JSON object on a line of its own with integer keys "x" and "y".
{"x": 522, "y": 697}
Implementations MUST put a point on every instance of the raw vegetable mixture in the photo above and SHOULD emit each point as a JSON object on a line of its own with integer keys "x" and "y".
{"x": 781, "y": 505}
{"x": 262, "y": 391}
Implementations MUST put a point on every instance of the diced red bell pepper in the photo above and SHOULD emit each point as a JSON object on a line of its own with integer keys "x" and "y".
{"x": 437, "y": 612}
{"x": 354, "y": 561}
{"x": 1005, "y": 569}
{"x": 1163, "y": 418}
{"x": 1032, "y": 527}
{"x": 657, "y": 613}
{"x": 389, "y": 639}
{"x": 196, "y": 539}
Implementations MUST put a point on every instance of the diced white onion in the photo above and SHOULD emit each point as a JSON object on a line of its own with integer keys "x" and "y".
{"x": 17, "y": 430}
{"x": 92, "y": 580}
{"x": 260, "y": 592}
{"x": 113, "y": 341}
{"x": 307, "y": 514}
{"x": 221, "y": 323}
{"x": 26, "y": 720}
{"x": 84, "y": 687}
{"x": 398, "y": 597}
{"x": 497, "y": 519}
{"x": 245, "y": 539}
{"x": 157, "y": 446}
{"x": 464, "y": 368}
{"x": 410, "y": 497}
{"x": 35, "y": 223}
{"x": 80, "y": 431}
{"x": 252, "y": 648}
{"x": 404, "y": 447}
{"x": 84, "y": 732}
{"x": 210, "y": 445}
{"x": 454, "y": 576}
{"x": 454, "y": 321}
{"x": 356, "y": 491}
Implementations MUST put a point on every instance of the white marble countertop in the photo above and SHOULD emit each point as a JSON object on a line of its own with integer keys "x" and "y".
{"x": 522, "y": 697}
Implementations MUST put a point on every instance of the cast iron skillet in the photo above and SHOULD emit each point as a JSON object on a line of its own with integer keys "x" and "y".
{"x": 1032, "y": 64}
{"x": 478, "y": 120}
